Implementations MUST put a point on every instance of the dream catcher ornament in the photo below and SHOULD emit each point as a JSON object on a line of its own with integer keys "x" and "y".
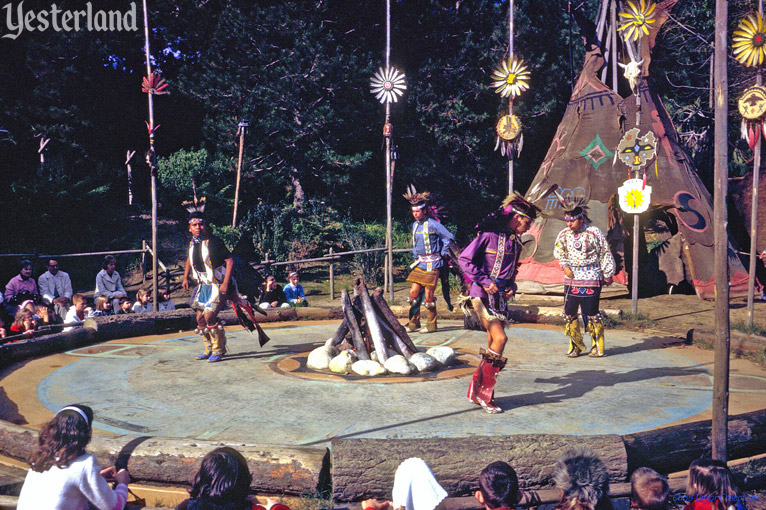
{"x": 749, "y": 40}
{"x": 509, "y": 139}
{"x": 388, "y": 85}
{"x": 752, "y": 107}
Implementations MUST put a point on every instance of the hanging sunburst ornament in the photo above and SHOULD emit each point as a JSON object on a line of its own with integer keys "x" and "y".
{"x": 511, "y": 77}
{"x": 636, "y": 19}
{"x": 749, "y": 40}
{"x": 388, "y": 85}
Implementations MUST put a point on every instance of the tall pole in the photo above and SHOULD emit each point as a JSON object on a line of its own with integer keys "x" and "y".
{"x": 720, "y": 158}
{"x": 241, "y": 130}
{"x": 389, "y": 184}
{"x": 754, "y": 210}
{"x": 151, "y": 159}
{"x": 510, "y": 97}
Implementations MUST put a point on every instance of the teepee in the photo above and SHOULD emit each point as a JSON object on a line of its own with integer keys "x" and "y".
{"x": 582, "y": 162}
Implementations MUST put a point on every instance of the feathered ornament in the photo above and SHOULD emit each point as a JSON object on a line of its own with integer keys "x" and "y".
{"x": 511, "y": 77}
{"x": 195, "y": 206}
{"x": 154, "y": 84}
{"x": 388, "y": 85}
{"x": 636, "y": 19}
{"x": 244, "y": 310}
{"x": 573, "y": 206}
{"x": 752, "y": 107}
{"x": 510, "y": 139}
{"x": 749, "y": 40}
{"x": 415, "y": 198}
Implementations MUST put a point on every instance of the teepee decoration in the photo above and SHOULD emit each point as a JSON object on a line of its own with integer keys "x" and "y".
{"x": 511, "y": 77}
{"x": 635, "y": 20}
{"x": 154, "y": 84}
{"x": 634, "y": 196}
{"x": 749, "y": 40}
{"x": 636, "y": 151}
{"x": 388, "y": 85}
{"x": 752, "y": 107}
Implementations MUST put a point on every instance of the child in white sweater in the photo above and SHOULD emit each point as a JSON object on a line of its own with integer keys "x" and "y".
{"x": 63, "y": 475}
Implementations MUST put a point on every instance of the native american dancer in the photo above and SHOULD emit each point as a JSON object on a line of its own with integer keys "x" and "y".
{"x": 583, "y": 253}
{"x": 211, "y": 264}
{"x": 430, "y": 246}
{"x": 490, "y": 262}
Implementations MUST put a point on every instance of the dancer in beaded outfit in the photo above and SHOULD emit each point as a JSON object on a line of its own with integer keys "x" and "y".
{"x": 490, "y": 261}
{"x": 583, "y": 253}
{"x": 211, "y": 265}
{"x": 430, "y": 246}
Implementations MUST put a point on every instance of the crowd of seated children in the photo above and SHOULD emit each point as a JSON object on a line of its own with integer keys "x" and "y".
{"x": 143, "y": 302}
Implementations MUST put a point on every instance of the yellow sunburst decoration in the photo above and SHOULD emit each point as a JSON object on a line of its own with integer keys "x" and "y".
{"x": 636, "y": 20}
{"x": 511, "y": 77}
{"x": 749, "y": 40}
{"x": 634, "y": 196}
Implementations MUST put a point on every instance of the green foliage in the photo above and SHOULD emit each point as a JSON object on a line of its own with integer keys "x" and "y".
{"x": 364, "y": 236}
{"x": 754, "y": 329}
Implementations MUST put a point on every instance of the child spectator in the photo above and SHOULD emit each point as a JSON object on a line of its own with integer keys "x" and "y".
{"x": 415, "y": 488}
{"x": 648, "y": 490}
{"x": 77, "y": 311}
{"x": 103, "y": 307}
{"x": 143, "y": 302}
{"x": 126, "y": 306}
{"x": 24, "y": 322}
{"x": 583, "y": 480}
{"x": 63, "y": 476}
{"x": 3, "y": 333}
{"x": 273, "y": 295}
{"x": 294, "y": 291}
{"x": 45, "y": 315}
{"x": 710, "y": 487}
{"x": 109, "y": 283}
{"x": 166, "y": 304}
{"x": 498, "y": 487}
{"x": 223, "y": 483}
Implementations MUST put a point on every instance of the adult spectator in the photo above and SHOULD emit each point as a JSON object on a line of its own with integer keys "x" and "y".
{"x": 498, "y": 487}
{"x": 109, "y": 283}
{"x": 273, "y": 295}
{"x": 63, "y": 475}
{"x": 294, "y": 291}
{"x": 649, "y": 490}
{"x": 583, "y": 480}
{"x": 20, "y": 288}
{"x": 56, "y": 288}
{"x": 415, "y": 488}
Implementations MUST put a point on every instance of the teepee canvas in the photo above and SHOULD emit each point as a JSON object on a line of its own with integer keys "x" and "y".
{"x": 582, "y": 162}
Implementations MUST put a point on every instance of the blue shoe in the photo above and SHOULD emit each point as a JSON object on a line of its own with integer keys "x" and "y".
{"x": 203, "y": 356}
{"x": 214, "y": 358}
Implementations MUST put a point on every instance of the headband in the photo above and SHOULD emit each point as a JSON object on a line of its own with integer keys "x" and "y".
{"x": 417, "y": 207}
{"x": 196, "y": 220}
{"x": 569, "y": 216}
{"x": 519, "y": 212}
{"x": 294, "y": 273}
{"x": 76, "y": 409}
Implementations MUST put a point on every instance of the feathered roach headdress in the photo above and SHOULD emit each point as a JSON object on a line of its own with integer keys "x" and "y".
{"x": 574, "y": 207}
{"x": 421, "y": 201}
{"x": 196, "y": 208}
{"x": 582, "y": 476}
{"x": 513, "y": 204}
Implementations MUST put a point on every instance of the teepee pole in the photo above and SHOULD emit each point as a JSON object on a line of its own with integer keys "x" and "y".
{"x": 150, "y": 160}
{"x": 389, "y": 269}
{"x": 510, "y": 98}
{"x": 754, "y": 210}
{"x": 720, "y": 217}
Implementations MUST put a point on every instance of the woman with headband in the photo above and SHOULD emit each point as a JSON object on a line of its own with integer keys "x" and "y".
{"x": 63, "y": 476}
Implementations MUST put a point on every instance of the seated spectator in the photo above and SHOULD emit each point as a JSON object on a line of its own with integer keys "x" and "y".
{"x": 63, "y": 475}
{"x": 23, "y": 323}
{"x": 649, "y": 490}
{"x": 583, "y": 480}
{"x": 143, "y": 302}
{"x": 77, "y": 311}
{"x": 103, "y": 307}
{"x": 294, "y": 291}
{"x": 20, "y": 288}
{"x": 166, "y": 304}
{"x": 109, "y": 283}
{"x": 56, "y": 288}
{"x": 415, "y": 488}
{"x": 45, "y": 315}
{"x": 498, "y": 487}
{"x": 126, "y": 306}
{"x": 223, "y": 483}
{"x": 273, "y": 295}
{"x": 710, "y": 487}
{"x": 3, "y": 333}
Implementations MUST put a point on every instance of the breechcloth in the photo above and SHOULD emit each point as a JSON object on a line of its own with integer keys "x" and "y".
{"x": 584, "y": 298}
{"x": 207, "y": 299}
{"x": 494, "y": 306}
{"x": 424, "y": 278}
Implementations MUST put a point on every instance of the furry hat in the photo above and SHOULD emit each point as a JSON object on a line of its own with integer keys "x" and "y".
{"x": 582, "y": 476}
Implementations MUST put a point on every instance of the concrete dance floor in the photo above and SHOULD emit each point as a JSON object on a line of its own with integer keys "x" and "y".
{"x": 153, "y": 386}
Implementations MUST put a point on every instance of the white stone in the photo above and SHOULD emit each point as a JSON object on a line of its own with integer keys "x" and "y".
{"x": 424, "y": 362}
{"x": 341, "y": 364}
{"x": 367, "y": 367}
{"x": 398, "y": 365}
{"x": 444, "y": 355}
{"x": 319, "y": 358}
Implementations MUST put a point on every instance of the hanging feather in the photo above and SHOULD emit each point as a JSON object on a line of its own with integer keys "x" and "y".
{"x": 743, "y": 129}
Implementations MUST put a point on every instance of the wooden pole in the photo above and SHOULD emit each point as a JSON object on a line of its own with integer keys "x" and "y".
{"x": 151, "y": 159}
{"x": 721, "y": 370}
{"x": 389, "y": 184}
{"x": 754, "y": 211}
{"x": 634, "y": 273}
{"x": 510, "y": 98}
{"x": 332, "y": 278}
{"x": 613, "y": 59}
{"x": 241, "y": 130}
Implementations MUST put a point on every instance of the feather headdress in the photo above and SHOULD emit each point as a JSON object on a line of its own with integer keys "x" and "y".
{"x": 574, "y": 207}
{"x": 418, "y": 200}
{"x": 195, "y": 207}
{"x": 513, "y": 204}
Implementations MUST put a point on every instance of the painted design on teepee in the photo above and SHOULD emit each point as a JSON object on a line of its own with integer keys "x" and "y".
{"x": 636, "y": 151}
{"x": 596, "y": 153}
